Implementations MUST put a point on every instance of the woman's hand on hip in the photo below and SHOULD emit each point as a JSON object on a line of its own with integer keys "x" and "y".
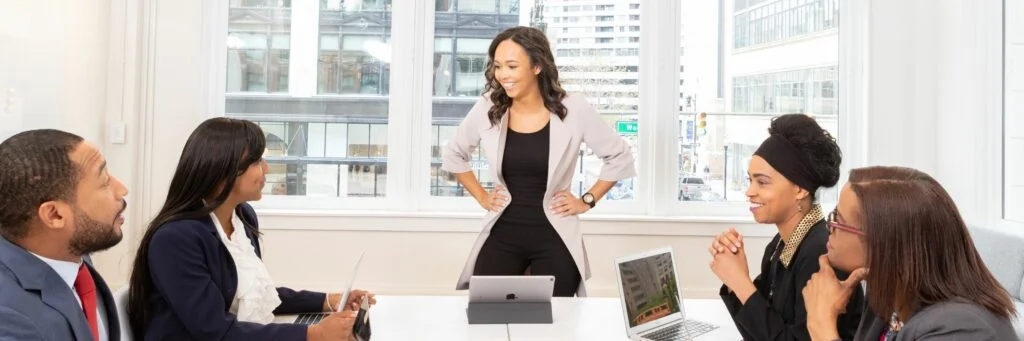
{"x": 565, "y": 204}
{"x": 496, "y": 199}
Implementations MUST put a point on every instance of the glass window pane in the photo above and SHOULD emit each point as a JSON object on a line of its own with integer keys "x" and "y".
{"x": 378, "y": 144}
{"x": 317, "y": 140}
{"x": 330, "y": 43}
{"x": 330, "y": 5}
{"x": 477, "y": 6}
{"x": 359, "y": 42}
{"x": 607, "y": 77}
{"x": 508, "y": 6}
{"x": 359, "y": 140}
{"x": 281, "y": 41}
{"x": 444, "y": 5}
{"x": 727, "y": 101}
{"x": 326, "y": 145}
{"x": 278, "y": 71}
{"x": 247, "y": 41}
{"x": 246, "y": 71}
{"x": 336, "y": 135}
{"x": 473, "y": 45}
{"x": 444, "y": 44}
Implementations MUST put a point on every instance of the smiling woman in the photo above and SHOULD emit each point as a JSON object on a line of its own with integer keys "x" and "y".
{"x": 532, "y": 132}
{"x": 786, "y": 171}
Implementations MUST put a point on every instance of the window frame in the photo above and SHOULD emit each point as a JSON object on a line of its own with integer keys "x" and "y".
{"x": 410, "y": 106}
{"x": 998, "y": 63}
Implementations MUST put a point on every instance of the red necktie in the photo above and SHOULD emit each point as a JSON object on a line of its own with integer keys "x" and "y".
{"x": 86, "y": 290}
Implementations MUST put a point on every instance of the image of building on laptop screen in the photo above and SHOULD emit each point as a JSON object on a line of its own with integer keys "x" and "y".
{"x": 649, "y": 287}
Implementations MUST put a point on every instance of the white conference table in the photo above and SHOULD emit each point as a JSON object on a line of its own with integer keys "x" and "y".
{"x": 428, "y": 318}
{"x": 601, "y": 318}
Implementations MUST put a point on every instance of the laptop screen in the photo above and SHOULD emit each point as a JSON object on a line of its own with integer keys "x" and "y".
{"x": 649, "y": 288}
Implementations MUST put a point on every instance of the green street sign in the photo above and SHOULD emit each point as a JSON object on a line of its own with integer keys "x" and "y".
{"x": 626, "y": 127}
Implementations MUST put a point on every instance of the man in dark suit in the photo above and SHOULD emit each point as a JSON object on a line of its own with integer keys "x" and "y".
{"x": 58, "y": 204}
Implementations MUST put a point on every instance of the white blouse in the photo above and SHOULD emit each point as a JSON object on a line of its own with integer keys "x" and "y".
{"x": 256, "y": 297}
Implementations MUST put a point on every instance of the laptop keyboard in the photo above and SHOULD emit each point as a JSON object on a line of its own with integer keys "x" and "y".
{"x": 687, "y": 330}
{"x": 310, "y": 318}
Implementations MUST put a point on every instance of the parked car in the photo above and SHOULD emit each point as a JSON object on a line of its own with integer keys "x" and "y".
{"x": 690, "y": 187}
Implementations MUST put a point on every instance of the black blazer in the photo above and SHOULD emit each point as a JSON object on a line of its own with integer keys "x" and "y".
{"x": 195, "y": 280}
{"x": 785, "y": 317}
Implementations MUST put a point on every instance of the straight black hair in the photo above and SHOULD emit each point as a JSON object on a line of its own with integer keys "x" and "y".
{"x": 216, "y": 153}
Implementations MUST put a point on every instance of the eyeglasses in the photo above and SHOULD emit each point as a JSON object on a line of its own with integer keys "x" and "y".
{"x": 833, "y": 224}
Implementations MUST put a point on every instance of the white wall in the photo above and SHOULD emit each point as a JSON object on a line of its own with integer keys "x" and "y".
{"x": 929, "y": 101}
{"x": 424, "y": 254}
{"x": 53, "y": 66}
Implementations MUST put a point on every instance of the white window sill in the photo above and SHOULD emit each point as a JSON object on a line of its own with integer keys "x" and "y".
{"x": 442, "y": 222}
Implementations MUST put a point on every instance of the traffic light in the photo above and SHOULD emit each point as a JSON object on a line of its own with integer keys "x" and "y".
{"x": 702, "y": 120}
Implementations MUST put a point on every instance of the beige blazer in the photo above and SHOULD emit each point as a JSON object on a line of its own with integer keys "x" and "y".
{"x": 582, "y": 124}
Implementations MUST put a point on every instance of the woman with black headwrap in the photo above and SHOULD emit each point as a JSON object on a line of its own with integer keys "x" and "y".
{"x": 797, "y": 159}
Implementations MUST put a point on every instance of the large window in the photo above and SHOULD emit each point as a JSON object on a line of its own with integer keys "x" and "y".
{"x": 358, "y": 98}
{"x": 1013, "y": 111}
{"x": 718, "y": 138}
{"x": 326, "y": 125}
{"x": 607, "y": 77}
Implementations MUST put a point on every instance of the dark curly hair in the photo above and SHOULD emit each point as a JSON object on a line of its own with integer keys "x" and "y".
{"x": 536, "y": 45}
{"x": 814, "y": 142}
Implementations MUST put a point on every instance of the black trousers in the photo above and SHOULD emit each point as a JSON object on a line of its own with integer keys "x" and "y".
{"x": 512, "y": 248}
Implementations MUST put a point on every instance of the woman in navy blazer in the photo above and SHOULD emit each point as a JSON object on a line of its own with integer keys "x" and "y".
{"x": 184, "y": 280}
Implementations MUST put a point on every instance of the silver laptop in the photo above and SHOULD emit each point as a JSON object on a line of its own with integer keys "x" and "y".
{"x": 314, "y": 318}
{"x": 493, "y": 289}
{"x": 651, "y": 302}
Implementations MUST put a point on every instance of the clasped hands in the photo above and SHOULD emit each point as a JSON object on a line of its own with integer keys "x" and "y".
{"x": 729, "y": 263}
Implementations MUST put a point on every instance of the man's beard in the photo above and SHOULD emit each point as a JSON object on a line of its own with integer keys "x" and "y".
{"x": 93, "y": 235}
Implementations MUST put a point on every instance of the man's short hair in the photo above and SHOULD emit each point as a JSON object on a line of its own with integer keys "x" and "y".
{"x": 35, "y": 167}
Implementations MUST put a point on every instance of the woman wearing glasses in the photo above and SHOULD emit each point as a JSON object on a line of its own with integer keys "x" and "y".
{"x": 785, "y": 172}
{"x": 926, "y": 279}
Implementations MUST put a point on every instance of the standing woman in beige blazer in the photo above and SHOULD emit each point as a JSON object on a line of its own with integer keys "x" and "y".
{"x": 531, "y": 132}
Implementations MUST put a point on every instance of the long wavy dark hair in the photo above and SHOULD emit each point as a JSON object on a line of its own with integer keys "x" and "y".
{"x": 539, "y": 50}
{"x": 216, "y": 153}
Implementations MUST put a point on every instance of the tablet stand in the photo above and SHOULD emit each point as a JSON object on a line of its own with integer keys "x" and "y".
{"x": 509, "y": 312}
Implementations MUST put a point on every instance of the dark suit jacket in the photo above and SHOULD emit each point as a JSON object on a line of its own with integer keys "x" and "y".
{"x": 948, "y": 321}
{"x": 785, "y": 317}
{"x": 195, "y": 280}
{"x": 36, "y": 304}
